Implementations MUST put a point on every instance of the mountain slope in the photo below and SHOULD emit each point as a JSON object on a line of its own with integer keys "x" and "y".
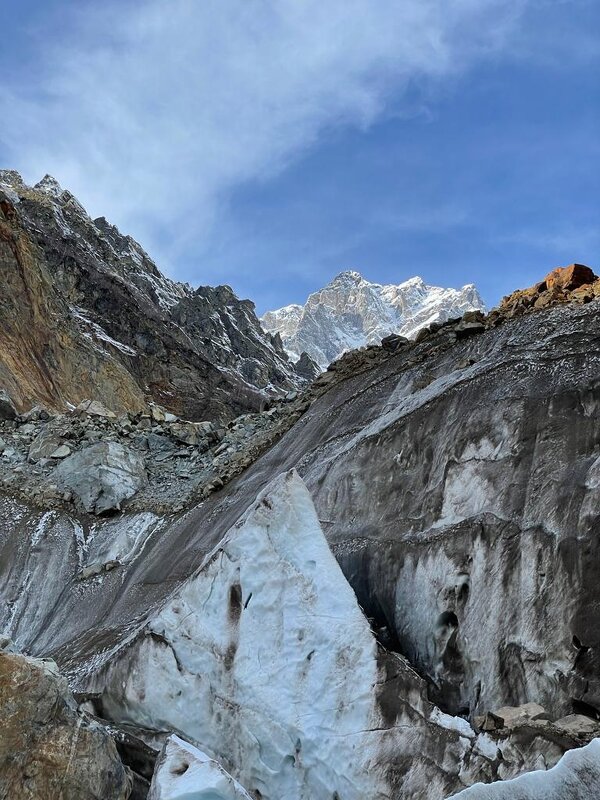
{"x": 456, "y": 481}
{"x": 350, "y": 312}
{"x": 86, "y": 313}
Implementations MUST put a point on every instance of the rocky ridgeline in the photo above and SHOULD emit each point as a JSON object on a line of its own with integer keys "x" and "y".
{"x": 575, "y": 284}
{"x": 85, "y": 313}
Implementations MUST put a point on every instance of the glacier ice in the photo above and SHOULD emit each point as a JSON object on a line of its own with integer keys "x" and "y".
{"x": 265, "y": 661}
{"x": 185, "y": 773}
{"x": 575, "y": 777}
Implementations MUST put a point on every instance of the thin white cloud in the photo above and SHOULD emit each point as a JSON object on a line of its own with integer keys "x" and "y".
{"x": 152, "y": 112}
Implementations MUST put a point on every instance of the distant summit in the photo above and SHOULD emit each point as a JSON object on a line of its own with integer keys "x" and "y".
{"x": 351, "y": 312}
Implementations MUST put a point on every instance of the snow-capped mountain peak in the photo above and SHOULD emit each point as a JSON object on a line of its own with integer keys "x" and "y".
{"x": 49, "y": 185}
{"x": 351, "y": 311}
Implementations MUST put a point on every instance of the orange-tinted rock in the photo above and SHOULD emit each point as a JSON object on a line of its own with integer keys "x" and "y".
{"x": 571, "y": 277}
{"x": 49, "y": 749}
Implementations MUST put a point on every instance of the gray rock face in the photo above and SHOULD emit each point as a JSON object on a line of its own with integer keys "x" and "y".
{"x": 102, "y": 476}
{"x": 47, "y": 748}
{"x": 351, "y": 312}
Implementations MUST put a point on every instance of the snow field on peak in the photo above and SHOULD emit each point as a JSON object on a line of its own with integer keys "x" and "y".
{"x": 351, "y": 312}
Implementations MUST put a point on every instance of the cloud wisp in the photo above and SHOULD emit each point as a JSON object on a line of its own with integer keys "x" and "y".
{"x": 153, "y": 112}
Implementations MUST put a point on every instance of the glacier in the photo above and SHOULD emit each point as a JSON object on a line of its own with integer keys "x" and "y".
{"x": 265, "y": 661}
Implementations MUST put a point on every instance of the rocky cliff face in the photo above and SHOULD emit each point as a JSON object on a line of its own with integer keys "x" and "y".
{"x": 351, "y": 312}
{"x": 49, "y": 749}
{"x": 389, "y": 599}
{"x": 86, "y": 313}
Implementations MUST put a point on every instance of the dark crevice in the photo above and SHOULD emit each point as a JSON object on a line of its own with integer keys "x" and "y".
{"x": 585, "y": 709}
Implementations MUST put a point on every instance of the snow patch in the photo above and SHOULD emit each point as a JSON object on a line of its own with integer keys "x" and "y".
{"x": 98, "y": 333}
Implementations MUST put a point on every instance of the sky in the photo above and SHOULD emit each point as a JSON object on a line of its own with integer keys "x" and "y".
{"x": 271, "y": 144}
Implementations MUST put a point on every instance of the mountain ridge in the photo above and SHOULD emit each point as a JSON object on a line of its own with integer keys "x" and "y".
{"x": 351, "y": 311}
{"x": 87, "y": 313}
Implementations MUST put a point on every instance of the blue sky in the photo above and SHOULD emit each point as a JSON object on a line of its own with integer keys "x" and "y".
{"x": 270, "y": 145}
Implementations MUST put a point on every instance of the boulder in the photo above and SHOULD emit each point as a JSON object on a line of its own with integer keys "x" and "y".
{"x": 473, "y": 316}
{"x": 7, "y": 409}
{"x": 185, "y": 432}
{"x": 569, "y": 278}
{"x": 61, "y": 452}
{"x": 393, "y": 342}
{"x": 36, "y": 414}
{"x": 509, "y": 716}
{"x": 204, "y": 428}
{"x": 47, "y": 748}
{"x": 94, "y": 408}
{"x": 184, "y": 773}
{"x": 578, "y": 725}
{"x": 102, "y": 476}
{"x": 159, "y": 444}
{"x": 306, "y": 367}
{"x": 466, "y": 328}
{"x": 157, "y": 413}
{"x": 44, "y": 445}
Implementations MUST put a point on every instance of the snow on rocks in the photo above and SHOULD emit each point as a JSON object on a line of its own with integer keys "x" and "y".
{"x": 118, "y": 542}
{"x": 291, "y": 692}
{"x": 185, "y": 773}
{"x": 575, "y": 777}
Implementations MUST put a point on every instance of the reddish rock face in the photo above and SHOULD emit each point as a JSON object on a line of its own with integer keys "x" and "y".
{"x": 48, "y": 749}
{"x": 571, "y": 277}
